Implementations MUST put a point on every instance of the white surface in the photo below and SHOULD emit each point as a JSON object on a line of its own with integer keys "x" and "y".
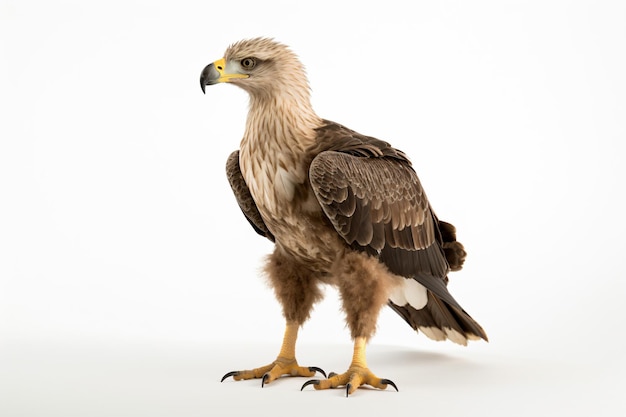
{"x": 129, "y": 279}
{"x": 184, "y": 381}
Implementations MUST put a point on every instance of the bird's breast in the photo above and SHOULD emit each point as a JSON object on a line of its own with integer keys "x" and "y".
{"x": 281, "y": 191}
{"x": 272, "y": 182}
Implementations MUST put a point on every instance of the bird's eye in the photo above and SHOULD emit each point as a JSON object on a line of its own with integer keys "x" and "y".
{"x": 248, "y": 63}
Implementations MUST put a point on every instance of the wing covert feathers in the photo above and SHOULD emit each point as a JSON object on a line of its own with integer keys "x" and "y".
{"x": 373, "y": 202}
{"x": 243, "y": 196}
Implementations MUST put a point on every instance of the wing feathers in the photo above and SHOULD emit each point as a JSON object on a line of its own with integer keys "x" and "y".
{"x": 373, "y": 198}
{"x": 356, "y": 193}
{"x": 244, "y": 198}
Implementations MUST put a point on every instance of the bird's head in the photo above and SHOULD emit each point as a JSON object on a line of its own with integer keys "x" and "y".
{"x": 261, "y": 66}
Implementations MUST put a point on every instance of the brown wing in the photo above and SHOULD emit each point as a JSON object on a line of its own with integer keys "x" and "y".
{"x": 378, "y": 204}
{"x": 374, "y": 200}
{"x": 244, "y": 198}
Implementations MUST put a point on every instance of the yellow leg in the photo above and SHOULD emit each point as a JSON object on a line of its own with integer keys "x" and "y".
{"x": 357, "y": 374}
{"x": 285, "y": 363}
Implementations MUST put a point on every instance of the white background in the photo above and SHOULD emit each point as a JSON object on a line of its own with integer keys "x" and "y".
{"x": 129, "y": 279}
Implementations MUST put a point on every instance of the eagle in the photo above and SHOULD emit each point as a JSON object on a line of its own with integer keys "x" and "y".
{"x": 342, "y": 209}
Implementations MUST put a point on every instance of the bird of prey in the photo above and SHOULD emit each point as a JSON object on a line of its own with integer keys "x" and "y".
{"x": 343, "y": 209}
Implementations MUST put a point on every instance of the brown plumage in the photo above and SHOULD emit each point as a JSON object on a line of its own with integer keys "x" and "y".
{"x": 342, "y": 208}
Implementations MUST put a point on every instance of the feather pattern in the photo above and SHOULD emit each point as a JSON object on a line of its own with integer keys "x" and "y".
{"x": 352, "y": 190}
{"x": 373, "y": 198}
{"x": 244, "y": 198}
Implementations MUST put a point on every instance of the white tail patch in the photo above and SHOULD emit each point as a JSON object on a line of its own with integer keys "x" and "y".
{"x": 439, "y": 335}
{"x": 410, "y": 292}
{"x": 472, "y": 336}
{"x": 433, "y": 333}
{"x": 455, "y": 336}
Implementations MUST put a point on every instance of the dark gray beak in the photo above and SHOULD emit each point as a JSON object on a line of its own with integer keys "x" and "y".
{"x": 209, "y": 76}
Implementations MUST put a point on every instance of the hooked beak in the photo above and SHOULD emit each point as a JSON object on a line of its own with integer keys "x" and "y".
{"x": 218, "y": 72}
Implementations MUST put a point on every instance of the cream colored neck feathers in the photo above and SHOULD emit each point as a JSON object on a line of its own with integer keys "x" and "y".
{"x": 279, "y": 129}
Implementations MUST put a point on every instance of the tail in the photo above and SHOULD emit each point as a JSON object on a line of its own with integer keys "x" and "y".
{"x": 454, "y": 251}
{"x": 425, "y": 303}
{"x": 435, "y": 312}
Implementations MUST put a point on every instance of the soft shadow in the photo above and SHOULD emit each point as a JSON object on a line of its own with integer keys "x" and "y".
{"x": 402, "y": 355}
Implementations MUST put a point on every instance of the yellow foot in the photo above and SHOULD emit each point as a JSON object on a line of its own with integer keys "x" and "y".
{"x": 281, "y": 366}
{"x": 352, "y": 380}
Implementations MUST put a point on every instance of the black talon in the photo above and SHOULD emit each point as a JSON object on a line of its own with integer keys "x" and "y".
{"x": 389, "y": 382}
{"x": 316, "y": 369}
{"x": 348, "y": 386}
{"x": 265, "y": 377}
{"x": 232, "y": 373}
{"x": 332, "y": 374}
{"x": 309, "y": 382}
